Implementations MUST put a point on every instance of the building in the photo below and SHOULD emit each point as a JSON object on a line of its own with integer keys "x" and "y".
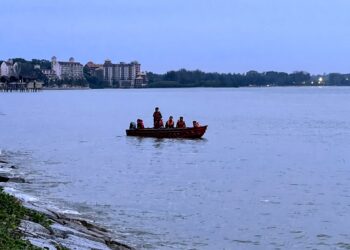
{"x": 95, "y": 70}
{"x": 122, "y": 75}
{"x": 67, "y": 70}
{"x": 6, "y": 68}
{"x": 50, "y": 74}
{"x": 141, "y": 80}
{"x": 92, "y": 67}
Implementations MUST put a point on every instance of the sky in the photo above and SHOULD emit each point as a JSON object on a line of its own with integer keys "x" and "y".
{"x": 210, "y": 35}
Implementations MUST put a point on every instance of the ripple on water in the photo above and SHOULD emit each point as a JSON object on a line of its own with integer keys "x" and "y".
{"x": 343, "y": 245}
{"x": 249, "y": 242}
{"x": 323, "y": 236}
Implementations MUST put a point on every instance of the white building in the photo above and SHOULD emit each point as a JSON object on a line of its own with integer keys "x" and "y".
{"x": 50, "y": 74}
{"x": 67, "y": 70}
{"x": 6, "y": 68}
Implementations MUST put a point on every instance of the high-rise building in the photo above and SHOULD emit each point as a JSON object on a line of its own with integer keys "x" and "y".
{"x": 122, "y": 75}
{"x": 67, "y": 70}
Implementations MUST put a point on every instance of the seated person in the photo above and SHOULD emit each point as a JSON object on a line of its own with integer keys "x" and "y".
{"x": 140, "y": 124}
{"x": 181, "y": 123}
{"x": 132, "y": 125}
{"x": 170, "y": 123}
{"x": 196, "y": 124}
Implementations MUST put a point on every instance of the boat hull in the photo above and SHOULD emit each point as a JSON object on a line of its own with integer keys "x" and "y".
{"x": 189, "y": 133}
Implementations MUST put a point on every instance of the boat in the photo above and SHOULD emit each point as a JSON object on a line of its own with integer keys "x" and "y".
{"x": 188, "y": 133}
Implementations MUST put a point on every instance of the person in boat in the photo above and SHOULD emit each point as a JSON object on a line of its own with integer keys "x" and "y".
{"x": 140, "y": 124}
{"x": 181, "y": 123}
{"x": 157, "y": 116}
{"x": 161, "y": 124}
{"x": 170, "y": 123}
{"x": 196, "y": 124}
{"x": 132, "y": 125}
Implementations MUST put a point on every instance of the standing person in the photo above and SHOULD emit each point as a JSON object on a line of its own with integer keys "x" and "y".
{"x": 170, "y": 123}
{"x": 181, "y": 123}
{"x": 157, "y": 116}
{"x": 160, "y": 123}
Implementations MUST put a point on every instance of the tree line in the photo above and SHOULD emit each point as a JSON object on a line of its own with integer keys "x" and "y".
{"x": 197, "y": 78}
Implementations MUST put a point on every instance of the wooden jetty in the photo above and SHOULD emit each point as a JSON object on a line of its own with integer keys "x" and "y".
{"x": 32, "y": 86}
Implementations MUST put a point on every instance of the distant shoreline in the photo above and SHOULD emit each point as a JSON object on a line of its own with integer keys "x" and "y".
{"x": 66, "y": 88}
{"x": 202, "y": 87}
{"x": 185, "y": 87}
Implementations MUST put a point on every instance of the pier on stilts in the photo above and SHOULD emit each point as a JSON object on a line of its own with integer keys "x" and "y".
{"x": 14, "y": 84}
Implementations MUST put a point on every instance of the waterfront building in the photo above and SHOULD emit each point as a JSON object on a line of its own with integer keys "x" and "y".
{"x": 95, "y": 70}
{"x": 67, "y": 70}
{"x": 16, "y": 69}
{"x": 92, "y": 67}
{"x": 122, "y": 75}
{"x": 141, "y": 80}
{"x": 50, "y": 74}
{"x": 6, "y": 68}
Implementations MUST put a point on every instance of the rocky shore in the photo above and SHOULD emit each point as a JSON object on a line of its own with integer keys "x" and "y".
{"x": 59, "y": 231}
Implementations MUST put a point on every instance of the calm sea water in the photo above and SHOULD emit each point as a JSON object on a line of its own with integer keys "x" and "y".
{"x": 272, "y": 171}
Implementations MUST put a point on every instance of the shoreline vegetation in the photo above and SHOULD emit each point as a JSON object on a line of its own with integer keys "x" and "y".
{"x": 181, "y": 78}
{"x": 26, "y": 225}
{"x": 12, "y": 212}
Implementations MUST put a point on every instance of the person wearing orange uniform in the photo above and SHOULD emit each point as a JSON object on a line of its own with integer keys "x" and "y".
{"x": 181, "y": 123}
{"x": 160, "y": 123}
{"x": 140, "y": 124}
{"x": 157, "y": 116}
{"x": 170, "y": 123}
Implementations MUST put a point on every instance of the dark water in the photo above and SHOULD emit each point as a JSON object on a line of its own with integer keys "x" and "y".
{"x": 272, "y": 171}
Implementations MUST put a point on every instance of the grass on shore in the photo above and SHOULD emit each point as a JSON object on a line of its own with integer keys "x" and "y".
{"x": 11, "y": 214}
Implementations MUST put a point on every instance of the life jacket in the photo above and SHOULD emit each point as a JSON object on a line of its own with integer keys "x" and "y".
{"x": 181, "y": 124}
{"x": 140, "y": 124}
{"x": 169, "y": 124}
{"x": 158, "y": 124}
{"x": 157, "y": 116}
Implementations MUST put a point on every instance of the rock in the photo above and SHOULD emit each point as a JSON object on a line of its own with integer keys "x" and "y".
{"x": 43, "y": 243}
{"x": 75, "y": 242}
{"x": 66, "y": 231}
{"x": 77, "y": 227}
{"x": 50, "y": 214}
{"x": 7, "y": 176}
{"x": 4, "y": 179}
{"x": 17, "y": 180}
{"x": 117, "y": 245}
{"x": 33, "y": 229}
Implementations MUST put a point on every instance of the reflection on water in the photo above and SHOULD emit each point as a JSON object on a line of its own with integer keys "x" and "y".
{"x": 158, "y": 143}
{"x": 271, "y": 172}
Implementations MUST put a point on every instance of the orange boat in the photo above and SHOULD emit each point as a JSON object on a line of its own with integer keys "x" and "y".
{"x": 189, "y": 133}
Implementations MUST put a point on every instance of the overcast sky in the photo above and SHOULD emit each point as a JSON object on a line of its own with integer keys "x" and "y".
{"x": 211, "y": 35}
